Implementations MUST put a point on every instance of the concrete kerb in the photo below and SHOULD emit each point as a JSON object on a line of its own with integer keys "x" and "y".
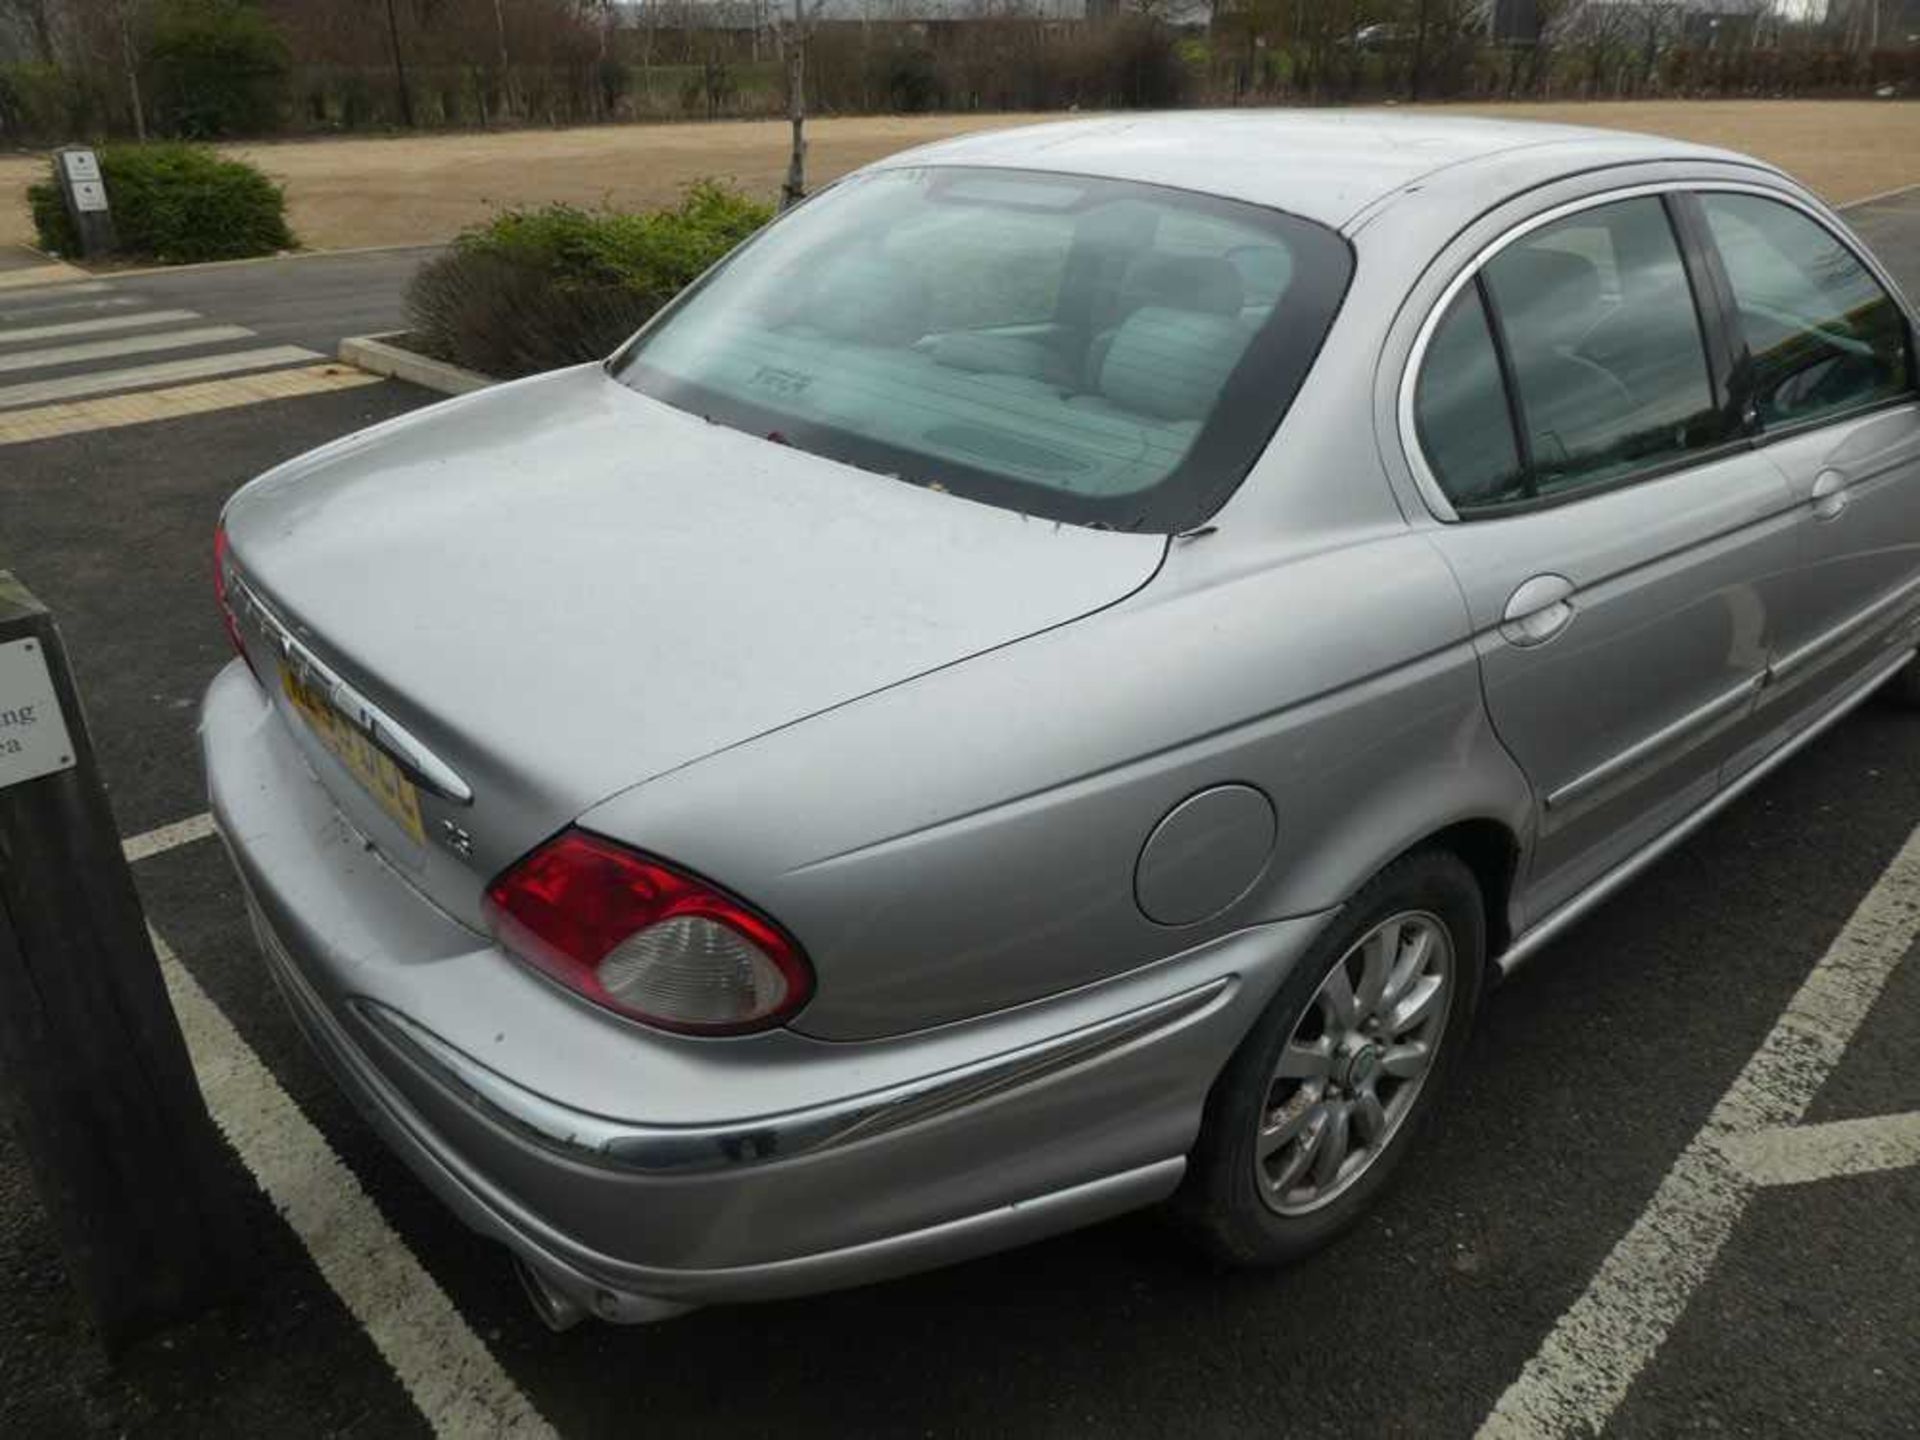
{"x": 379, "y": 355}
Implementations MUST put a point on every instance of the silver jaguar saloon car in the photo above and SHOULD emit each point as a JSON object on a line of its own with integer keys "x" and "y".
{"x": 1050, "y": 681}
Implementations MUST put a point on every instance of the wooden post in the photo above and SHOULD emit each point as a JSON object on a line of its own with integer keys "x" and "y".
{"x": 93, "y": 1071}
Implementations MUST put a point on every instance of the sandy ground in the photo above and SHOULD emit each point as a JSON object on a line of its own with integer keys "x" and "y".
{"x": 389, "y": 191}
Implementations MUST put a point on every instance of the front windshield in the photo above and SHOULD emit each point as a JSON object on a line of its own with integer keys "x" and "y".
{"x": 1086, "y": 350}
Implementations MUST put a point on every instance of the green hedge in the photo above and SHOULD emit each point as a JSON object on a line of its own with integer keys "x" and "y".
{"x": 535, "y": 289}
{"x": 175, "y": 204}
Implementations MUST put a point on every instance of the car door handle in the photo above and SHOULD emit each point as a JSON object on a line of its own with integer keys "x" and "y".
{"x": 1829, "y": 495}
{"x": 1539, "y": 610}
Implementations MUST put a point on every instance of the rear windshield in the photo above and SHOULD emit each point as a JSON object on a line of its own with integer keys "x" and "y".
{"x": 1085, "y": 350}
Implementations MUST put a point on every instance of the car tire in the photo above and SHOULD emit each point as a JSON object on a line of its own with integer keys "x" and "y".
{"x": 1246, "y": 1198}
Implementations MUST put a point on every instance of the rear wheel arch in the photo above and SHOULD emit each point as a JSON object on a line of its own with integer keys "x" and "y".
{"x": 1489, "y": 846}
{"x": 1221, "y": 1202}
{"x": 1491, "y": 850}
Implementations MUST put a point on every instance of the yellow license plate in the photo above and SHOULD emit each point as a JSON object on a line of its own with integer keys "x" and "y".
{"x": 377, "y": 775}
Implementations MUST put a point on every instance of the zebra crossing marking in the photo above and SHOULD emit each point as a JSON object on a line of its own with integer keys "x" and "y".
{"x": 19, "y": 335}
{"x": 144, "y": 407}
{"x": 96, "y": 323}
{"x": 101, "y": 382}
{"x": 122, "y": 345}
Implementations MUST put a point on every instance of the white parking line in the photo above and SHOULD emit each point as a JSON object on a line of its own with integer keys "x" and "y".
{"x": 1877, "y": 197}
{"x": 166, "y": 837}
{"x": 1800, "y": 1154}
{"x": 122, "y": 345}
{"x": 450, "y": 1374}
{"x": 91, "y": 327}
{"x": 1586, "y": 1365}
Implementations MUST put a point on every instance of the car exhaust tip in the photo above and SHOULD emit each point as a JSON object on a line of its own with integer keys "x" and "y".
{"x": 558, "y": 1312}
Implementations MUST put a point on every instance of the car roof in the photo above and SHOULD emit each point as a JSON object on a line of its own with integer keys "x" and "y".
{"x": 1333, "y": 166}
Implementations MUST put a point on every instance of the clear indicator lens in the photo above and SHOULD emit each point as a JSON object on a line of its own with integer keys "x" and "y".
{"x": 693, "y": 971}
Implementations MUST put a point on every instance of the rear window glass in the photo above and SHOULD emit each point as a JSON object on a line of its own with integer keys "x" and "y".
{"x": 1080, "y": 349}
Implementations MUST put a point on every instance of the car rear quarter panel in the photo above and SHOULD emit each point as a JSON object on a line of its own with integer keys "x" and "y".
{"x": 968, "y": 841}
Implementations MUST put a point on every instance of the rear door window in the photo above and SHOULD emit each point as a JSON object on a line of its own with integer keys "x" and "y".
{"x": 1605, "y": 346}
{"x": 1574, "y": 360}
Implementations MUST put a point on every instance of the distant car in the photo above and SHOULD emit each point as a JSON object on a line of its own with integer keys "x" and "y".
{"x": 1049, "y": 681}
{"x": 1384, "y": 36}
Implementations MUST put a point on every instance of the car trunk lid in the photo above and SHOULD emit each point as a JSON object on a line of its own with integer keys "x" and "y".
{"x": 560, "y": 589}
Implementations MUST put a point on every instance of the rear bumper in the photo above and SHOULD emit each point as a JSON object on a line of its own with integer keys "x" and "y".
{"x": 693, "y": 1172}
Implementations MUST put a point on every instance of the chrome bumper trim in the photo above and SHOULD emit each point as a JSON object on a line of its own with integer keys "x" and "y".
{"x": 627, "y": 1146}
{"x": 626, "y": 1293}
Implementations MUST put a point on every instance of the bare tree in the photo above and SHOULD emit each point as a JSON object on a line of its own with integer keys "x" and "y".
{"x": 35, "y": 19}
{"x": 399, "y": 65}
{"x": 506, "y": 62}
{"x": 1656, "y": 25}
{"x": 126, "y": 15}
{"x": 1550, "y": 26}
{"x": 794, "y": 189}
{"x": 1599, "y": 33}
{"x": 1439, "y": 32}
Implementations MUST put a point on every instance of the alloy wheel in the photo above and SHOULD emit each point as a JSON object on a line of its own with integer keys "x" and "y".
{"x": 1354, "y": 1064}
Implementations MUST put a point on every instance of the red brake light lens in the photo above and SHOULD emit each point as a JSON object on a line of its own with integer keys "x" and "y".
{"x": 646, "y": 940}
{"x": 220, "y": 581}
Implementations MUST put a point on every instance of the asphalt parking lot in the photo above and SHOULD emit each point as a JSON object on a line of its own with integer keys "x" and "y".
{"x": 1541, "y": 1271}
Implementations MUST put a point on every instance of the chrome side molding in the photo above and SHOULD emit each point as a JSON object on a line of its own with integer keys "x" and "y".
{"x": 1731, "y": 700}
{"x": 1538, "y": 936}
{"x": 1795, "y": 658}
{"x": 629, "y": 1146}
{"x": 1648, "y": 746}
{"x": 386, "y": 734}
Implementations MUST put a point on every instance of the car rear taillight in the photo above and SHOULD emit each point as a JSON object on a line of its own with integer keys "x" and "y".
{"x": 221, "y": 580}
{"x": 647, "y": 940}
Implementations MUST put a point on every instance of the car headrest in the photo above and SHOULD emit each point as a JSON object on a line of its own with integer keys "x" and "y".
{"x": 1183, "y": 282}
{"x": 1171, "y": 363}
{"x": 867, "y": 298}
{"x": 1552, "y": 294}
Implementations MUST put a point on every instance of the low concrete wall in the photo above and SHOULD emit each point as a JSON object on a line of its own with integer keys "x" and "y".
{"x": 379, "y": 355}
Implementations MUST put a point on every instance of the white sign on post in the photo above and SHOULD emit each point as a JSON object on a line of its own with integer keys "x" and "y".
{"x": 33, "y": 732}
{"x": 89, "y": 195}
{"x": 82, "y": 165}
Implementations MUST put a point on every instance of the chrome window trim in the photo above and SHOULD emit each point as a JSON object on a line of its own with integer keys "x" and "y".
{"x": 1424, "y": 478}
{"x": 1906, "y": 400}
